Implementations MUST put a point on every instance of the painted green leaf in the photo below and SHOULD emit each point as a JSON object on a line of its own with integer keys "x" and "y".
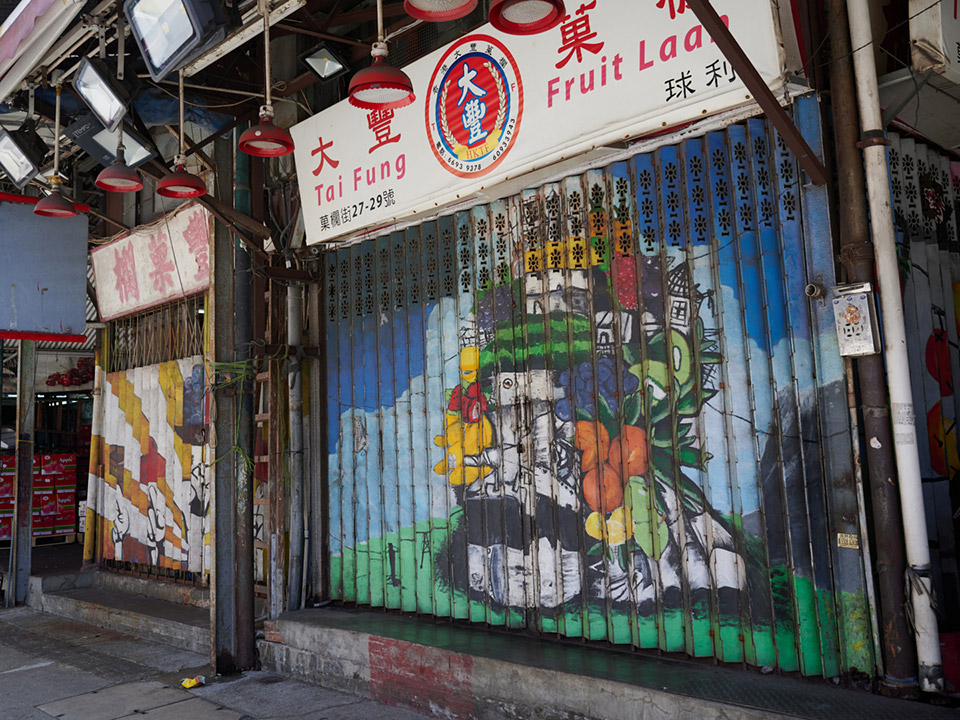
{"x": 643, "y": 525}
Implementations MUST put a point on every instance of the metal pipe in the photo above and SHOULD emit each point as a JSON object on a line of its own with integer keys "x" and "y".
{"x": 856, "y": 252}
{"x": 243, "y": 336}
{"x": 295, "y": 450}
{"x": 18, "y": 577}
{"x": 182, "y": 131}
{"x": 895, "y": 342}
{"x": 266, "y": 50}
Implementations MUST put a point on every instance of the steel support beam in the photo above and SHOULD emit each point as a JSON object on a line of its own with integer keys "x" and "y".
{"x": 223, "y": 604}
{"x": 732, "y": 51}
{"x": 242, "y": 339}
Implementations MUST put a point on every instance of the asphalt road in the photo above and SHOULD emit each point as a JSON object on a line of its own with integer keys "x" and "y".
{"x": 51, "y": 667}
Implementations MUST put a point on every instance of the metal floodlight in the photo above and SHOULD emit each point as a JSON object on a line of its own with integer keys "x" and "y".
{"x": 101, "y": 144}
{"x": 20, "y": 155}
{"x": 324, "y": 63}
{"x": 171, "y": 33}
{"x": 102, "y": 92}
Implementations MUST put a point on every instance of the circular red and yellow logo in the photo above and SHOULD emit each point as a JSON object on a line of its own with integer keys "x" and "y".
{"x": 475, "y": 106}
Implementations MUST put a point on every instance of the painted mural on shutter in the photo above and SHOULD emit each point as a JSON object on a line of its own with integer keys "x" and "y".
{"x": 155, "y": 509}
{"x": 605, "y": 409}
{"x": 924, "y": 185}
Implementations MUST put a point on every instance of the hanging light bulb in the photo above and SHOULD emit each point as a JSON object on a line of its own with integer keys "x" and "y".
{"x": 380, "y": 86}
{"x": 180, "y": 184}
{"x": 438, "y": 10}
{"x": 266, "y": 139}
{"x": 118, "y": 177}
{"x": 55, "y": 204}
{"x": 526, "y": 17}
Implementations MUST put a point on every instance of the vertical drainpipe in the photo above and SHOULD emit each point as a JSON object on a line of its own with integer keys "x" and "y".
{"x": 898, "y": 368}
{"x": 243, "y": 335}
{"x": 856, "y": 252}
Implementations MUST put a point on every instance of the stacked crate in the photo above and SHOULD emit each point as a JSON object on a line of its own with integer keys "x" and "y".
{"x": 54, "y": 495}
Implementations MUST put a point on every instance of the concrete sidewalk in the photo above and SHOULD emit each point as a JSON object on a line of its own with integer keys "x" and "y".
{"x": 51, "y": 667}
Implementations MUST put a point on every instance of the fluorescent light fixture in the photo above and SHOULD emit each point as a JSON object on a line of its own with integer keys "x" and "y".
{"x": 102, "y": 92}
{"x": 251, "y": 26}
{"x": 101, "y": 144}
{"x": 19, "y": 159}
{"x": 171, "y": 33}
{"x": 324, "y": 63}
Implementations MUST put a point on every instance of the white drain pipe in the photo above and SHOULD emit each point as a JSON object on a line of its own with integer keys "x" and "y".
{"x": 898, "y": 368}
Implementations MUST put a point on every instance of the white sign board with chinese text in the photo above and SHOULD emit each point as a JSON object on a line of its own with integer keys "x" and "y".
{"x": 154, "y": 264}
{"x": 935, "y": 37}
{"x": 492, "y": 107}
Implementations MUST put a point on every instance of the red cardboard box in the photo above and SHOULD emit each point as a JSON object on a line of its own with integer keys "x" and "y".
{"x": 6, "y": 525}
{"x": 42, "y": 482}
{"x": 42, "y": 525}
{"x": 6, "y": 486}
{"x": 44, "y": 502}
{"x": 6, "y": 504}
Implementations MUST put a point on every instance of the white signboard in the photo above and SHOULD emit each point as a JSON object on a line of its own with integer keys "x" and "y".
{"x": 492, "y": 107}
{"x": 935, "y": 37}
{"x": 155, "y": 263}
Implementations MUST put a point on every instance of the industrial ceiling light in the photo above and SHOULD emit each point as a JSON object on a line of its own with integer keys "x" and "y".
{"x": 324, "y": 63}
{"x": 266, "y": 139}
{"x": 103, "y": 94}
{"x": 180, "y": 184}
{"x": 118, "y": 177}
{"x": 526, "y": 17}
{"x": 171, "y": 33}
{"x": 380, "y": 86}
{"x": 19, "y": 159}
{"x": 54, "y": 204}
{"x": 108, "y": 100}
{"x": 438, "y": 10}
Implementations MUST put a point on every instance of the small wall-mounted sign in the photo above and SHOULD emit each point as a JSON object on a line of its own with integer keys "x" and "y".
{"x": 855, "y": 313}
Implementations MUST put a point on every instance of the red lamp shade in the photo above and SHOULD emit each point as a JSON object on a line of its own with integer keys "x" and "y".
{"x": 381, "y": 87}
{"x": 526, "y": 17}
{"x": 180, "y": 184}
{"x": 119, "y": 178}
{"x": 438, "y": 10}
{"x": 55, "y": 205}
{"x": 266, "y": 140}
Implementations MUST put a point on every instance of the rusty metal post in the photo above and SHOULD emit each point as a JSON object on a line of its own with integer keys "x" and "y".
{"x": 242, "y": 338}
{"x": 223, "y": 603}
{"x": 21, "y": 545}
{"x": 856, "y": 253}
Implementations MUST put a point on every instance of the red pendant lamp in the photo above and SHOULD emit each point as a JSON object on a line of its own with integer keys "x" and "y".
{"x": 55, "y": 204}
{"x": 266, "y": 139}
{"x": 438, "y": 10}
{"x": 526, "y": 17}
{"x": 180, "y": 184}
{"x": 380, "y": 86}
{"x": 117, "y": 177}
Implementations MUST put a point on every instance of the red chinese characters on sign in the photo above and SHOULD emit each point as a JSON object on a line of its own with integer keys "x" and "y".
{"x": 321, "y": 150}
{"x": 198, "y": 240}
{"x": 162, "y": 264}
{"x": 576, "y": 35}
{"x": 379, "y": 122}
{"x": 677, "y": 7}
{"x": 125, "y": 271}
